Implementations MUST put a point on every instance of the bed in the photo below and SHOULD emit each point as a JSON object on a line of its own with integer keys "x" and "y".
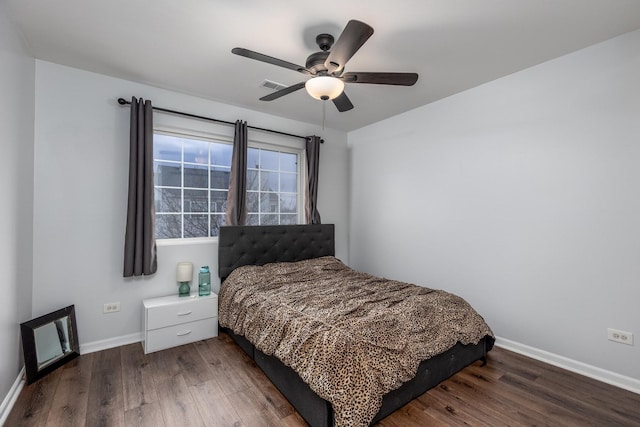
{"x": 286, "y": 254}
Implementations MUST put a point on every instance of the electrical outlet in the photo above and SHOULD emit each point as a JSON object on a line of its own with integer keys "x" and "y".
{"x": 620, "y": 336}
{"x": 111, "y": 307}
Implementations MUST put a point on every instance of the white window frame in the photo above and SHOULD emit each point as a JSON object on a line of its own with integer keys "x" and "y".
{"x": 221, "y": 133}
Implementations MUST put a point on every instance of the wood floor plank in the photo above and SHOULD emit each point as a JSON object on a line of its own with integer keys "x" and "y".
{"x": 184, "y": 360}
{"x": 601, "y": 394}
{"x": 480, "y": 384}
{"x": 602, "y": 397}
{"x": 105, "y": 406}
{"x": 494, "y": 405}
{"x": 528, "y": 406}
{"x": 69, "y": 406}
{"x": 33, "y": 405}
{"x": 178, "y": 407}
{"x": 214, "y": 407}
{"x": 220, "y": 356}
{"x": 414, "y": 414}
{"x": 458, "y": 400}
{"x": 585, "y": 413}
{"x": 162, "y": 364}
{"x": 108, "y": 360}
{"x": 252, "y": 415}
{"x": 267, "y": 396}
{"x": 193, "y": 367}
{"x": 147, "y": 415}
{"x": 604, "y": 404}
{"x": 449, "y": 411}
{"x": 293, "y": 420}
{"x": 137, "y": 377}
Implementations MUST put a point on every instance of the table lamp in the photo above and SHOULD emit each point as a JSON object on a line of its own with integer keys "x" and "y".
{"x": 184, "y": 274}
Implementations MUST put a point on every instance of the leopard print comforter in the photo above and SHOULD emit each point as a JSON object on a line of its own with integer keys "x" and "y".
{"x": 351, "y": 336}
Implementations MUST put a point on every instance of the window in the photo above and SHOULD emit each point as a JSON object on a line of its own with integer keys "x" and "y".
{"x": 191, "y": 177}
{"x": 272, "y": 187}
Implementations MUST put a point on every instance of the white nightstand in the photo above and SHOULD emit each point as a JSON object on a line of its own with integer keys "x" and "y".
{"x": 172, "y": 320}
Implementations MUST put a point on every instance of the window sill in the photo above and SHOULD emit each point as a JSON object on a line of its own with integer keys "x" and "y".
{"x": 187, "y": 241}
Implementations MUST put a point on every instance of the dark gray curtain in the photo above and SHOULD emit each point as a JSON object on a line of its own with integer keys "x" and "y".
{"x": 313, "y": 164}
{"x": 140, "y": 241}
{"x": 236, "y": 213}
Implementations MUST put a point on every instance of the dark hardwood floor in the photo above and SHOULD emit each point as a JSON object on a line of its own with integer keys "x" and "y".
{"x": 213, "y": 383}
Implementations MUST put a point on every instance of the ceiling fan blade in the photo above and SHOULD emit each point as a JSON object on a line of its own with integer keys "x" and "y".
{"x": 398, "y": 79}
{"x": 283, "y": 92}
{"x": 269, "y": 59}
{"x": 354, "y": 35}
{"x": 343, "y": 103}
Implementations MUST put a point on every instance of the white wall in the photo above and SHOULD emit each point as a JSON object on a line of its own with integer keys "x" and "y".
{"x": 17, "y": 70}
{"x": 81, "y": 172}
{"x": 522, "y": 196}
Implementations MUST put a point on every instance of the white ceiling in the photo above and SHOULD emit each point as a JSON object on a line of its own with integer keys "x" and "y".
{"x": 185, "y": 45}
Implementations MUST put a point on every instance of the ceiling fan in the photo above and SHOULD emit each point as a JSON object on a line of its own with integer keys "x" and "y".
{"x": 326, "y": 67}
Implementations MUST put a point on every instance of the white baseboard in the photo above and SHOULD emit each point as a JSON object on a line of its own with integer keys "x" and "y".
{"x": 11, "y": 397}
{"x": 94, "y": 346}
{"x": 622, "y": 381}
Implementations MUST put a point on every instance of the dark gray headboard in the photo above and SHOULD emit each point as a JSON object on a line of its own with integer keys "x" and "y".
{"x": 262, "y": 244}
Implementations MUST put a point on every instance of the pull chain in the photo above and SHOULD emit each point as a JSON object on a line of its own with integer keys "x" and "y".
{"x": 324, "y": 113}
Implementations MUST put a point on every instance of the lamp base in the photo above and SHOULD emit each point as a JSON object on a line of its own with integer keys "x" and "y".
{"x": 184, "y": 290}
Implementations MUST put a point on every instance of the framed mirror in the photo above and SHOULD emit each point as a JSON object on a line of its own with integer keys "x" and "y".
{"x": 49, "y": 342}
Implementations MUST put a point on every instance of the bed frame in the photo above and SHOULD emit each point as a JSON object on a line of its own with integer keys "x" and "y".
{"x": 259, "y": 245}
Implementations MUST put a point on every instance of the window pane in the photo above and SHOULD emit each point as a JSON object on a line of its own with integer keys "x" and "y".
{"x": 288, "y": 219}
{"x": 167, "y": 174}
{"x": 196, "y": 176}
{"x": 253, "y": 158}
{"x": 220, "y": 177}
{"x": 168, "y": 200}
{"x": 253, "y": 219}
{"x": 288, "y": 162}
{"x": 269, "y": 160}
{"x": 221, "y": 154}
{"x": 252, "y": 201}
{"x": 195, "y": 200}
{"x": 219, "y": 201}
{"x": 269, "y": 181}
{"x": 289, "y": 182}
{"x": 196, "y": 151}
{"x": 196, "y": 225}
{"x": 270, "y": 219}
{"x": 168, "y": 226}
{"x": 166, "y": 148}
{"x": 288, "y": 203}
{"x": 216, "y": 222}
{"x": 269, "y": 202}
{"x": 252, "y": 180}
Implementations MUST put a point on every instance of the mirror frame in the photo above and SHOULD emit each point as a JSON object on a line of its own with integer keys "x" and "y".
{"x": 29, "y": 343}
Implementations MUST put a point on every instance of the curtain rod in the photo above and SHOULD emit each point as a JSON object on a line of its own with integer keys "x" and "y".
{"x": 123, "y": 101}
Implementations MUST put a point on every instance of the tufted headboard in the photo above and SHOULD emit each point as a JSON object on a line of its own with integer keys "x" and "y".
{"x": 262, "y": 244}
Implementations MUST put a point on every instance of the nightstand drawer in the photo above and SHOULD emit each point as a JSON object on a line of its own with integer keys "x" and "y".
{"x": 190, "y": 309}
{"x": 183, "y": 333}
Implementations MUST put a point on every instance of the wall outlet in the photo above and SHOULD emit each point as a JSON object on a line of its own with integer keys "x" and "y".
{"x": 111, "y": 307}
{"x": 620, "y": 336}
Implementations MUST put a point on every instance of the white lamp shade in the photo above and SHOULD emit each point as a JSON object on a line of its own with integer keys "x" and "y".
{"x": 324, "y": 87}
{"x": 184, "y": 272}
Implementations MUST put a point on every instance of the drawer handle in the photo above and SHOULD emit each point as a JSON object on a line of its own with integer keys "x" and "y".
{"x": 181, "y": 334}
{"x": 185, "y": 313}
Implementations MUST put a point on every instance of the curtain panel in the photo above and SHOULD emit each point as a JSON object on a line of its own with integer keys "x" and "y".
{"x": 140, "y": 242}
{"x": 236, "y": 212}
{"x": 313, "y": 164}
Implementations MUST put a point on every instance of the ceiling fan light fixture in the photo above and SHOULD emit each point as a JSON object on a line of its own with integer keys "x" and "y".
{"x": 324, "y": 87}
